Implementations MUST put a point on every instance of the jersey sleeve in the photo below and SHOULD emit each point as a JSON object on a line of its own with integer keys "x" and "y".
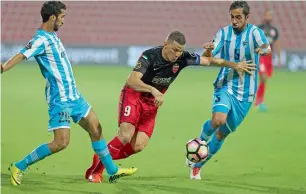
{"x": 191, "y": 58}
{"x": 218, "y": 43}
{"x": 33, "y": 48}
{"x": 143, "y": 63}
{"x": 260, "y": 37}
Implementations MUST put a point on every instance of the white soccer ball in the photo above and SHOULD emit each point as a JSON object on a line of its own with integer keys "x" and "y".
{"x": 196, "y": 150}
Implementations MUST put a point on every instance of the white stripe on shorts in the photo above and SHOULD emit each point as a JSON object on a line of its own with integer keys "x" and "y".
{"x": 59, "y": 127}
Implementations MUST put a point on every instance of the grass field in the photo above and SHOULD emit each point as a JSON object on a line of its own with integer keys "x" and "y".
{"x": 266, "y": 154}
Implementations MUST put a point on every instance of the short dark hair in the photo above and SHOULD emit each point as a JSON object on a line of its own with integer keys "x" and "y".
{"x": 177, "y": 36}
{"x": 50, "y": 8}
{"x": 241, "y": 4}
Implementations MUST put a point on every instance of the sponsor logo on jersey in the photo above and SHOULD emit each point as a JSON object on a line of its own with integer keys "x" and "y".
{"x": 162, "y": 80}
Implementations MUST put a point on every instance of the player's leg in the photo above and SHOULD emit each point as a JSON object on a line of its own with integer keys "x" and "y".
{"x": 127, "y": 119}
{"x": 265, "y": 68}
{"x": 87, "y": 119}
{"x": 92, "y": 125}
{"x": 59, "y": 123}
{"x": 235, "y": 116}
{"x": 221, "y": 107}
{"x": 138, "y": 142}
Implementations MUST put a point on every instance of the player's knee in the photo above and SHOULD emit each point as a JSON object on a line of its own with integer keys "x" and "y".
{"x": 126, "y": 132}
{"x": 138, "y": 147}
{"x": 140, "y": 141}
{"x": 218, "y": 120}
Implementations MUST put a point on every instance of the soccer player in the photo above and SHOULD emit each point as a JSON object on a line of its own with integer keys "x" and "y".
{"x": 64, "y": 100}
{"x": 266, "y": 65}
{"x": 233, "y": 97}
{"x": 144, "y": 92}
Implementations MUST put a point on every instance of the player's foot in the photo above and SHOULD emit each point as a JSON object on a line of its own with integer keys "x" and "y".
{"x": 16, "y": 174}
{"x": 95, "y": 162}
{"x": 122, "y": 172}
{"x": 262, "y": 107}
{"x": 95, "y": 178}
{"x": 96, "y": 175}
{"x": 189, "y": 163}
{"x": 195, "y": 173}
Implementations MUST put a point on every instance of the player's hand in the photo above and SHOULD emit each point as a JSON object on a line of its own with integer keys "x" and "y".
{"x": 260, "y": 51}
{"x": 209, "y": 46}
{"x": 159, "y": 97}
{"x": 245, "y": 66}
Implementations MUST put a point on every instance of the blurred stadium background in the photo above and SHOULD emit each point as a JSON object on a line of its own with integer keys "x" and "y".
{"x": 110, "y": 32}
{"x": 103, "y": 40}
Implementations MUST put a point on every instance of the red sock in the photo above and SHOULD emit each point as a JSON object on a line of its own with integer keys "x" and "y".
{"x": 260, "y": 93}
{"x": 125, "y": 152}
{"x": 115, "y": 146}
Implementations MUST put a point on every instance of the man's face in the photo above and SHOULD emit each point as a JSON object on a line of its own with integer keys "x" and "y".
{"x": 59, "y": 21}
{"x": 238, "y": 19}
{"x": 268, "y": 16}
{"x": 173, "y": 50}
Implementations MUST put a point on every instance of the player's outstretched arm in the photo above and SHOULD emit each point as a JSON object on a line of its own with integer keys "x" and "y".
{"x": 245, "y": 66}
{"x": 12, "y": 62}
{"x": 134, "y": 81}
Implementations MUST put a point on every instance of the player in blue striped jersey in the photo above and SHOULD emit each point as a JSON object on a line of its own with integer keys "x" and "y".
{"x": 64, "y": 100}
{"x": 233, "y": 93}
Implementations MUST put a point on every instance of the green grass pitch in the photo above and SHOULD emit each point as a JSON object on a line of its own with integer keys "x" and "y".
{"x": 265, "y": 155}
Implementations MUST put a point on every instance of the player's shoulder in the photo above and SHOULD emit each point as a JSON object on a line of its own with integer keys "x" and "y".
{"x": 40, "y": 37}
{"x": 254, "y": 28}
{"x": 225, "y": 29}
{"x": 153, "y": 53}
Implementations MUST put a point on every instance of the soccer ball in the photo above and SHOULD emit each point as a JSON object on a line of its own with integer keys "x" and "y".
{"x": 196, "y": 150}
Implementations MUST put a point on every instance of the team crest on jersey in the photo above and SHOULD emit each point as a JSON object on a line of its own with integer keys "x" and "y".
{"x": 245, "y": 43}
{"x": 175, "y": 67}
{"x": 29, "y": 45}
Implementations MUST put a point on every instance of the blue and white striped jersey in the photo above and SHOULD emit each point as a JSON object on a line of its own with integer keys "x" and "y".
{"x": 49, "y": 52}
{"x": 238, "y": 47}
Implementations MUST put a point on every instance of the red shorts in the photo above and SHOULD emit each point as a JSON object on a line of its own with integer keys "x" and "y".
{"x": 138, "y": 109}
{"x": 265, "y": 65}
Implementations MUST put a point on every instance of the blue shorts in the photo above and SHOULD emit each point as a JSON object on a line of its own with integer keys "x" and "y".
{"x": 236, "y": 110}
{"x": 60, "y": 113}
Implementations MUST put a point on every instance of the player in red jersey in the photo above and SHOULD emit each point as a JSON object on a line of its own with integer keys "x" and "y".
{"x": 144, "y": 92}
{"x": 266, "y": 63}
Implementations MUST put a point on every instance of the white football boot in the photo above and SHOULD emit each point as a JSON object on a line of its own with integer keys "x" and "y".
{"x": 195, "y": 173}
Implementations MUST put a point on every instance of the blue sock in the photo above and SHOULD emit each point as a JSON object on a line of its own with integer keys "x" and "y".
{"x": 36, "y": 155}
{"x": 207, "y": 131}
{"x": 101, "y": 149}
{"x": 213, "y": 147}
